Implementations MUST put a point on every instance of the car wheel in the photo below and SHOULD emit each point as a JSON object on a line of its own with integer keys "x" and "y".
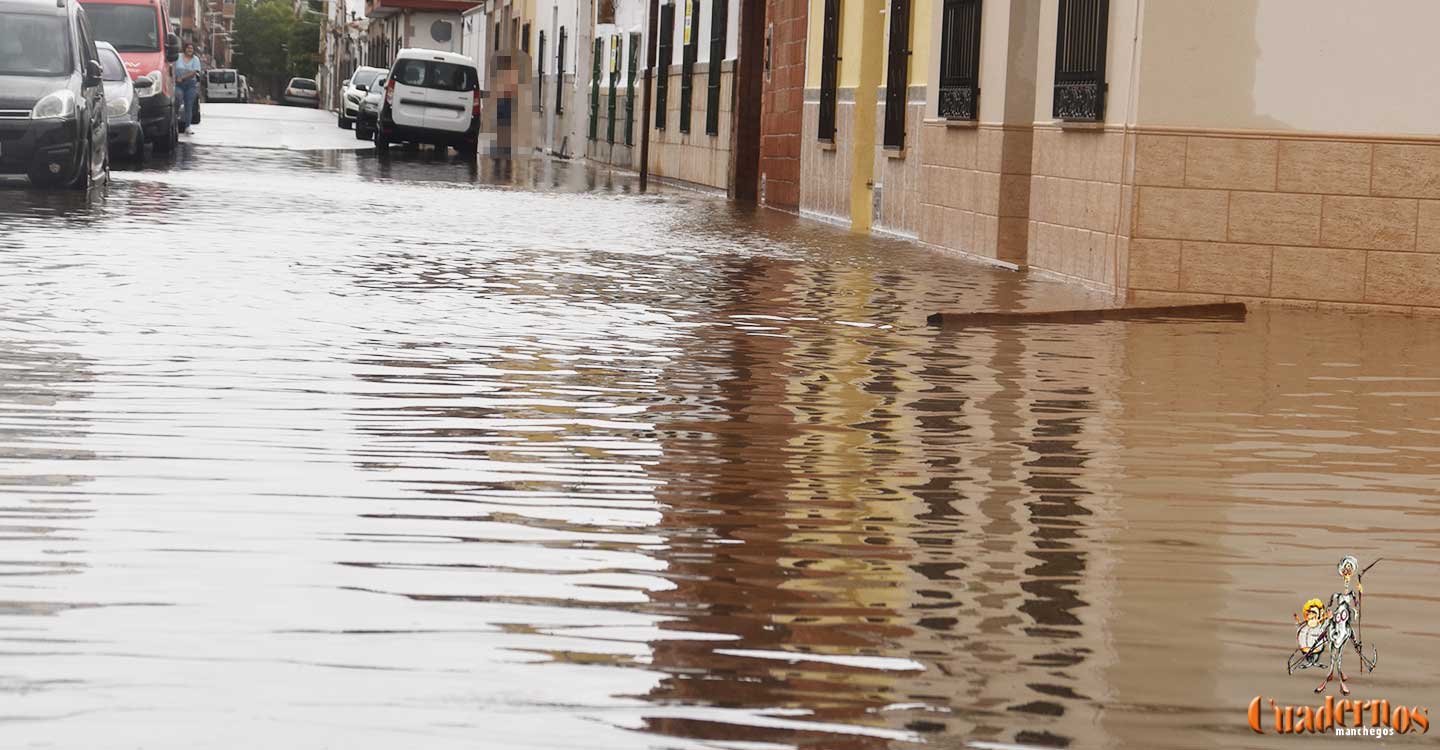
{"x": 167, "y": 140}
{"x": 83, "y": 177}
{"x": 361, "y": 133}
{"x": 342, "y": 122}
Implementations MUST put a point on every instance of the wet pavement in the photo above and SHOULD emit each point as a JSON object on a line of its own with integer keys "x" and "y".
{"x": 324, "y": 450}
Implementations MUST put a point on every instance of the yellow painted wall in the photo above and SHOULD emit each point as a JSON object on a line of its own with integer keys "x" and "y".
{"x": 920, "y": 59}
{"x": 814, "y": 38}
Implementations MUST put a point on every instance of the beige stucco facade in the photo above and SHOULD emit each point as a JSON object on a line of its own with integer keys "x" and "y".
{"x": 1261, "y": 150}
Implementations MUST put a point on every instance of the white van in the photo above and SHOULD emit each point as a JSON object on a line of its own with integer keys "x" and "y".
{"x": 431, "y": 97}
{"x": 222, "y": 85}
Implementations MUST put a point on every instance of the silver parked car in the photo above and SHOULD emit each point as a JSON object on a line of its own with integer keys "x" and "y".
{"x": 122, "y": 106}
{"x": 369, "y": 111}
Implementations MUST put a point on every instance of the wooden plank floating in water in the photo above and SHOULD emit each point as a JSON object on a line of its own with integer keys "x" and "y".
{"x": 1219, "y": 311}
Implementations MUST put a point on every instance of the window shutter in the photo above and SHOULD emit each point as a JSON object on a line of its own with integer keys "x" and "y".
{"x": 719, "y": 19}
{"x": 666, "y": 55}
{"x": 829, "y": 64}
{"x": 630, "y": 89}
{"x": 540, "y": 71}
{"x": 897, "y": 74}
{"x": 595, "y": 89}
{"x": 687, "y": 62}
{"x": 560, "y": 73}
{"x": 616, "y": 43}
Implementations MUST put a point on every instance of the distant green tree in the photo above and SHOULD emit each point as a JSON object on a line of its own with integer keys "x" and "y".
{"x": 305, "y": 46}
{"x": 272, "y": 45}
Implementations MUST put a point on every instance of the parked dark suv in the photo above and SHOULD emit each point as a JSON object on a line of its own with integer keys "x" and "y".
{"x": 52, "y": 95}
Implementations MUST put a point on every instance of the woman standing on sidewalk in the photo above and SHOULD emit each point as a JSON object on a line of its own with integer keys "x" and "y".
{"x": 187, "y": 78}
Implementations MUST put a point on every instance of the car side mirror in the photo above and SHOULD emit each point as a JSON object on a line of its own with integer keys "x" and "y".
{"x": 94, "y": 74}
{"x": 142, "y": 83}
{"x": 172, "y": 48}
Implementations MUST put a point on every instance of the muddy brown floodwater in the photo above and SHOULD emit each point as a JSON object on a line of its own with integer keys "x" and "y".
{"x": 320, "y": 451}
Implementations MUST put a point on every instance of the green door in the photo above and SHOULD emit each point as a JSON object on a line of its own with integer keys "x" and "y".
{"x": 595, "y": 90}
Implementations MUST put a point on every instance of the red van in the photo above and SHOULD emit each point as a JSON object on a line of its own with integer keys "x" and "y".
{"x": 140, "y": 32}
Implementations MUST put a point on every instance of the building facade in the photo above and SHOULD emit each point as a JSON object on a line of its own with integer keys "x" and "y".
{"x": 400, "y": 24}
{"x": 693, "y": 95}
{"x": 867, "y": 62}
{"x": 782, "y": 103}
{"x": 1159, "y": 150}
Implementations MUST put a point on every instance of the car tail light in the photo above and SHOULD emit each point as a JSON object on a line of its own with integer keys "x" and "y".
{"x": 389, "y": 90}
{"x": 475, "y": 104}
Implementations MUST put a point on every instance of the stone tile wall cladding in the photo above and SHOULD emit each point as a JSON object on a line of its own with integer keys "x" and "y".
{"x": 897, "y": 173}
{"x": 974, "y": 188}
{"x": 825, "y": 187}
{"x": 1308, "y": 221}
{"x": 1079, "y": 219}
{"x": 692, "y": 157}
{"x": 616, "y": 154}
{"x": 782, "y": 104}
{"x": 564, "y": 121}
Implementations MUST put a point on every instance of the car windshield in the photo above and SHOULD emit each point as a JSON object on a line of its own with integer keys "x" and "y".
{"x": 364, "y": 77}
{"x": 131, "y": 28}
{"x": 114, "y": 68}
{"x": 431, "y": 74}
{"x": 33, "y": 45}
{"x": 222, "y": 76}
{"x": 304, "y": 84}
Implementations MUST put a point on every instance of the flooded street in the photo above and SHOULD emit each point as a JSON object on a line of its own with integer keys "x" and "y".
{"x": 323, "y": 450}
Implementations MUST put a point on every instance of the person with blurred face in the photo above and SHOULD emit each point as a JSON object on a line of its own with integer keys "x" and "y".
{"x": 187, "y": 79}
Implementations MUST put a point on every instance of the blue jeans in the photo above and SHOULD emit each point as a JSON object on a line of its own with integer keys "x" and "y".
{"x": 188, "y": 93}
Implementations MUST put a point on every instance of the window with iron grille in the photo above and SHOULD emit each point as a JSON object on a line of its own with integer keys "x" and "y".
{"x": 897, "y": 74}
{"x": 688, "y": 54}
{"x": 665, "y": 55}
{"x": 829, "y": 69}
{"x": 1080, "y": 60}
{"x": 630, "y": 90}
{"x": 960, "y": 60}
{"x": 560, "y": 73}
{"x": 719, "y": 19}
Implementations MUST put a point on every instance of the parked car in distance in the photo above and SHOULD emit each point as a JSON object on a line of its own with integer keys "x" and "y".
{"x": 301, "y": 92}
{"x": 222, "y": 85}
{"x": 140, "y": 32}
{"x": 369, "y": 112}
{"x": 352, "y": 91}
{"x": 244, "y": 89}
{"x": 52, "y": 95}
{"x": 122, "y": 106}
{"x": 431, "y": 97}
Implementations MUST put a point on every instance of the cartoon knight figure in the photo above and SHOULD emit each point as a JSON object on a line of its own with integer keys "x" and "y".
{"x": 1344, "y": 616}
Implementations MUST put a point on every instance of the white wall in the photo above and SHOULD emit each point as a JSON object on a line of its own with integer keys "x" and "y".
{"x": 421, "y": 23}
{"x": 1339, "y": 66}
{"x": 474, "y": 36}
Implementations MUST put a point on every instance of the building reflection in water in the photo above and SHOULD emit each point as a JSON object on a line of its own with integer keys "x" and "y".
{"x": 913, "y": 517}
